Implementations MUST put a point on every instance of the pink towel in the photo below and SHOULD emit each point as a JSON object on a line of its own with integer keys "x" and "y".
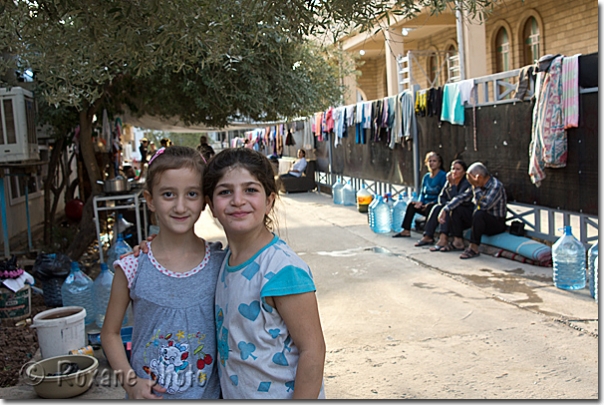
{"x": 570, "y": 91}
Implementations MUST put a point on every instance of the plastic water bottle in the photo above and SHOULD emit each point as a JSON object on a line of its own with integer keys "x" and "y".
{"x": 383, "y": 217}
{"x": 371, "y": 211}
{"x": 349, "y": 194}
{"x": 364, "y": 198}
{"x": 77, "y": 291}
{"x": 101, "y": 289}
{"x": 568, "y": 255}
{"x": 592, "y": 275}
{"x": 336, "y": 192}
{"x": 101, "y": 292}
{"x": 398, "y": 213}
{"x": 119, "y": 248}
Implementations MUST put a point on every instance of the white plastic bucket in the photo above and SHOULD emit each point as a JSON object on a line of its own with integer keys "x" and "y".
{"x": 60, "y": 330}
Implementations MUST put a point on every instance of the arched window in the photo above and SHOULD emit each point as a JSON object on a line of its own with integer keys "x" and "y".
{"x": 502, "y": 51}
{"x": 531, "y": 41}
{"x": 432, "y": 69}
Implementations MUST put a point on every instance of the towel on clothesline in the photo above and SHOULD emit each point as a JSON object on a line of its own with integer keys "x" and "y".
{"x": 570, "y": 91}
{"x": 452, "y": 110}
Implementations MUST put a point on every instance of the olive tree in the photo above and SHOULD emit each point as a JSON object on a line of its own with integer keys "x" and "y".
{"x": 204, "y": 61}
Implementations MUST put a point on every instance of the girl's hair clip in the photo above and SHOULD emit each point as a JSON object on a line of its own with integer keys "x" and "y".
{"x": 159, "y": 152}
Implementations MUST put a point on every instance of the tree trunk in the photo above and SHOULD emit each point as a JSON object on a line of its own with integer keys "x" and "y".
{"x": 87, "y": 231}
{"x": 53, "y": 172}
{"x": 87, "y": 149}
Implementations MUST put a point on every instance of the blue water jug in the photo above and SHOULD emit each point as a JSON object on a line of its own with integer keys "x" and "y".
{"x": 349, "y": 194}
{"x": 77, "y": 291}
{"x": 568, "y": 255}
{"x": 371, "y": 211}
{"x": 119, "y": 248}
{"x": 336, "y": 192}
{"x": 592, "y": 274}
{"x": 398, "y": 213}
{"x": 101, "y": 290}
{"x": 383, "y": 217}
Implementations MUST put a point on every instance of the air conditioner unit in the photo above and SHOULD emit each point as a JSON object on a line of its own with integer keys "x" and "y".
{"x": 18, "y": 138}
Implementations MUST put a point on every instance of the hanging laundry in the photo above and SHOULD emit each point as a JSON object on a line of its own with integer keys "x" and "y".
{"x": 525, "y": 77}
{"x": 436, "y": 102}
{"x": 329, "y": 122}
{"x": 570, "y": 91}
{"x": 465, "y": 90}
{"x": 407, "y": 113}
{"x": 548, "y": 147}
{"x": 421, "y": 102}
{"x": 397, "y": 128}
{"x": 452, "y": 109}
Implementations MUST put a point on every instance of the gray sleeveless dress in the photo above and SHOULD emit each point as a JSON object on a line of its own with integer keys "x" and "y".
{"x": 173, "y": 338}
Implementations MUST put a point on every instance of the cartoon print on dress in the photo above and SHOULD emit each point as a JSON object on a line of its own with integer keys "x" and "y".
{"x": 171, "y": 366}
{"x": 279, "y": 358}
{"x": 290, "y": 385}
{"x": 222, "y": 337}
{"x": 251, "y": 311}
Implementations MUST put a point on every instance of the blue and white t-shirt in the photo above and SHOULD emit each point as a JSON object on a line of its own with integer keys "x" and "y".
{"x": 256, "y": 355}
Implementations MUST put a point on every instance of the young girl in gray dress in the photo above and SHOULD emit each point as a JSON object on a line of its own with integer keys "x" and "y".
{"x": 171, "y": 288}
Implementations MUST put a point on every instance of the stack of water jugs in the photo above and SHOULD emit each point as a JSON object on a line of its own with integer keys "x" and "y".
{"x": 570, "y": 270}
{"x": 78, "y": 289}
{"x": 385, "y": 215}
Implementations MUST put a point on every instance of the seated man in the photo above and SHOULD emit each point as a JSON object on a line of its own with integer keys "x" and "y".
{"x": 489, "y": 214}
{"x": 299, "y": 165}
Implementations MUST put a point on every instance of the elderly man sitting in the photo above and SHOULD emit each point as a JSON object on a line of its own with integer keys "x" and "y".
{"x": 489, "y": 214}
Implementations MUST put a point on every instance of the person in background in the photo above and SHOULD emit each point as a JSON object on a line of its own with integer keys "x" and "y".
{"x": 165, "y": 142}
{"x": 490, "y": 210}
{"x": 129, "y": 172}
{"x": 143, "y": 150}
{"x": 205, "y": 148}
{"x": 432, "y": 184}
{"x": 299, "y": 165}
{"x": 456, "y": 194}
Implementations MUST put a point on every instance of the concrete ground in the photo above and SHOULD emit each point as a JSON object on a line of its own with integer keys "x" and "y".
{"x": 403, "y": 322}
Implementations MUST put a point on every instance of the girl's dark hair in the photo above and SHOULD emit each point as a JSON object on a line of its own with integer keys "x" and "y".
{"x": 253, "y": 161}
{"x": 461, "y": 163}
{"x": 174, "y": 157}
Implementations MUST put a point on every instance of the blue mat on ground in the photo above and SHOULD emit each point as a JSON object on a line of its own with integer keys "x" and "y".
{"x": 526, "y": 247}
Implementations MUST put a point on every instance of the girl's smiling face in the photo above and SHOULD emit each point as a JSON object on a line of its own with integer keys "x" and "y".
{"x": 240, "y": 203}
{"x": 177, "y": 199}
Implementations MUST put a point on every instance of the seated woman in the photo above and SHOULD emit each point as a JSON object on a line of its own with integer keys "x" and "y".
{"x": 456, "y": 194}
{"x": 299, "y": 165}
{"x": 432, "y": 184}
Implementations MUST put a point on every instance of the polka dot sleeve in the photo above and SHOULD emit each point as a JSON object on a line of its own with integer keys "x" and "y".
{"x": 128, "y": 264}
